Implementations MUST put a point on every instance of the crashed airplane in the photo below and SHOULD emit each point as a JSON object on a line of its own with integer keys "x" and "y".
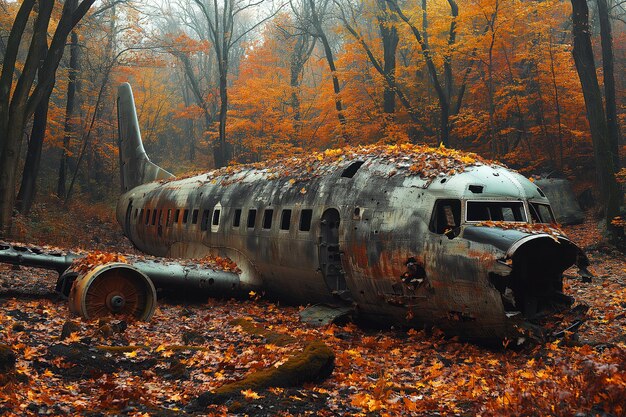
{"x": 402, "y": 234}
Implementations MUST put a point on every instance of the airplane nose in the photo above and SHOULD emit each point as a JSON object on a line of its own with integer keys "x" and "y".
{"x": 535, "y": 285}
{"x": 544, "y": 252}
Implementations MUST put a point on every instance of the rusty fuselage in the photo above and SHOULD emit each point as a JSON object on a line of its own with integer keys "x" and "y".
{"x": 363, "y": 231}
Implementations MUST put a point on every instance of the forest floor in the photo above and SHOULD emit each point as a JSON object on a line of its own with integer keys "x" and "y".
{"x": 65, "y": 366}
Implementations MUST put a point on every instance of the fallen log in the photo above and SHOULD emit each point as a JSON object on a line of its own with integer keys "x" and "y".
{"x": 314, "y": 363}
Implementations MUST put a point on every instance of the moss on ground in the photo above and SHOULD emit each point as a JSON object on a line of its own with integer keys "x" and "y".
{"x": 274, "y": 338}
{"x": 314, "y": 363}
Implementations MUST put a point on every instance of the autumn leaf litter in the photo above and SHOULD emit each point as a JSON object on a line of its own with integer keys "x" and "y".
{"x": 65, "y": 366}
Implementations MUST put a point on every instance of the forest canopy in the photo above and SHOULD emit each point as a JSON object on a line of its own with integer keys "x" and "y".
{"x": 245, "y": 81}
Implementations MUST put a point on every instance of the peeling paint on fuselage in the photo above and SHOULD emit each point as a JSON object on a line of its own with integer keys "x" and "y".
{"x": 384, "y": 222}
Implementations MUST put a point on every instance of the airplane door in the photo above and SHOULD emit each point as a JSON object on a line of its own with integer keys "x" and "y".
{"x": 330, "y": 255}
{"x": 129, "y": 211}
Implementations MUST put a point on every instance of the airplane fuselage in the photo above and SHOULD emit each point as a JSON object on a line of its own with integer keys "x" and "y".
{"x": 366, "y": 231}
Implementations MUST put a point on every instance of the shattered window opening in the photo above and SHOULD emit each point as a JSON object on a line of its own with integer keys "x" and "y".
{"x": 446, "y": 216}
{"x": 176, "y": 216}
{"x": 194, "y": 217}
{"x": 267, "y": 218}
{"x": 305, "y": 220}
{"x": 185, "y": 215}
{"x": 541, "y": 213}
{"x": 285, "y": 219}
{"x": 507, "y": 211}
{"x": 216, "y": 217}
{"x": 251, "y": 218}
{"x": 154, "y": 214}
{"x": 352, "y": 169}
{"x": 237, "y": 218}
{"x": 205, "y": 220}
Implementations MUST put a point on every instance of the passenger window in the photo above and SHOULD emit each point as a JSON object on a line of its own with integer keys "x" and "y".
{"x": 267, "y": 218}
{"x": 215, "y": 219}
{"x": 237, "y": 218}
{"x": 176, "y": 215}
{"x": 154, "y": 215}
{"x": 251, "y": 218}
{"x": 204, "y": 223}
{"x": 140, "y": 216}
{"x": 306, "y": 216}
{"x": 285, "y": 220}
{"x": 446, "y": 217}
{"x": 185, "y": 215}
{"x": 194, "y": 216}
{"x": 147, "y": 220}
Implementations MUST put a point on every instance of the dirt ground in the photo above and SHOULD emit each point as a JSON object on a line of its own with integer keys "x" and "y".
{"x": 65, "y": 366}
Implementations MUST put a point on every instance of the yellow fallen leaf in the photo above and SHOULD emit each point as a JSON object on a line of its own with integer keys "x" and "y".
{"x": 251, "y": 395}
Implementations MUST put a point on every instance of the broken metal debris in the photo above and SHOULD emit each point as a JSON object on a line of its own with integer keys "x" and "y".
{"x": 100, "y": 283}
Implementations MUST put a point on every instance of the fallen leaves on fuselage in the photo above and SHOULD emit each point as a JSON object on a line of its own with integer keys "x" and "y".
{"x": 553, "y": 230}
{"x": 407, "y": 159}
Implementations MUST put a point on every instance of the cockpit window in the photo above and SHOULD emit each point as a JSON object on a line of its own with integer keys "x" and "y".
{"x": 541, "y": 213}
{"x": 446, "y": 216}
{"x": 507, "y": 211}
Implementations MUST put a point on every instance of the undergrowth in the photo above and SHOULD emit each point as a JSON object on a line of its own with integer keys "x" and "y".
{"x": 81, "y": 223}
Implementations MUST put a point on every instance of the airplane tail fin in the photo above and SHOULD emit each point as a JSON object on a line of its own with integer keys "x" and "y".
{"x": 135, "y": 166}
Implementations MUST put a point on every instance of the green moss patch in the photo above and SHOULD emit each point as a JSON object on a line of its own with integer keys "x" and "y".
{"x": 271, "y": 337}
{"x": 314, "y": 363}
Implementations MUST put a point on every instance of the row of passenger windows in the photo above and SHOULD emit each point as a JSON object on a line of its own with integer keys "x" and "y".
{"x": 151, "y": 217}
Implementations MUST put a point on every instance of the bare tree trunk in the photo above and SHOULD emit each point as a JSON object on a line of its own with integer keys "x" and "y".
{"x": 11, "y": 133}
{"x": 69, "y": 113}
{"x": 13, "y": 118}
{"x": 389, "y": 35}
{"x": 28, "y": 186}
{"x": 444, "y": 104}
{"x": 557, "y": 105}
{"x": 389, "y": 81}
{"x": 319, "y": 32}
{"x": 608, "y": 69}
{"x": 585, "y": 66}
{"x": 302, "y": 50}
{"x": 195, "y": 88}
{"x": 189, "y": 125}
{"x": 333, "y": 71}
{"x": 447, "y": 59}
{"x": 220, "y": 152}
{"x": 495, "y": 149}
